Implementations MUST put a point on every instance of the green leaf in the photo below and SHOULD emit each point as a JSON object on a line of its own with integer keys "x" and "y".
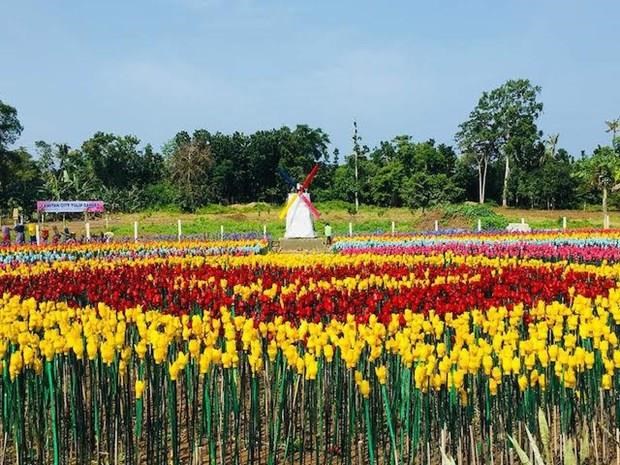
{"x": 525, "y": 460}
{"x": 537, "y": 456}
{"x": 545, "y": 437}
{"x": 584, "y": 445}
{"x": 569, "y": 453}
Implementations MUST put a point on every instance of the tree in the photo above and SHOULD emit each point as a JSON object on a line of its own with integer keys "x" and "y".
{"x": 20, "y": 179}
{"x": 555, "y": 185}
{"x": 601, "y": 171}
{"x": 423, "y": 190}
{"x": 613, "y": 127}
{"x": 10, "y": 127}
{"x": 356, "y": 155}
{"x": 19, "y": 174}
{"x": 478, "y": 139}
{"x": 551, "y": 144}
{"x": 502, "y": 124}
{"x": 118, "y": 163}
{"x": 66, "y": 174}
{"x": 517, "y": 111}
{"x": 190, "y": 166}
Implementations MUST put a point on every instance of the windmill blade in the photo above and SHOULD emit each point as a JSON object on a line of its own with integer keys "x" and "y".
{"x": 310, "y": 177}
{"x": 311, "y": 207}
{"x": 287, "y": 178}
{"x": 284, "y": 210}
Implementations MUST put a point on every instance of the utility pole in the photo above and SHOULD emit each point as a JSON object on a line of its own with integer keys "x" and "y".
{"x": 356, "y": 149}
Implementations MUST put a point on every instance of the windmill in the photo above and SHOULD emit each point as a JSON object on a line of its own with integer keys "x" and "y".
{"x": 299, "y": 210}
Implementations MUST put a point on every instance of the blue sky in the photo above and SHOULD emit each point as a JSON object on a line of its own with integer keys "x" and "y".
{"x": 154, "y": 67}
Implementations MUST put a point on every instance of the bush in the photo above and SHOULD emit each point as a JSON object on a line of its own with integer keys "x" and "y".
{"x": 213, "y": 209}
{"x": 335, "y": 205}
{"x": 472, "y": 212}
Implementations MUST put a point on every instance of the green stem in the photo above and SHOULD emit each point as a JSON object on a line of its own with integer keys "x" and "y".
{"x": 50, "y": 379}
{"x": 369, "y": 433}
{"x": 390, "y": 422}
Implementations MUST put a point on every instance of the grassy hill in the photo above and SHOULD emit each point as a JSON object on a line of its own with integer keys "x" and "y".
{"x": 252, "y": 218}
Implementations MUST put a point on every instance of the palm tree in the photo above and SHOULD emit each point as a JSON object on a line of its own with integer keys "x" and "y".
{"x": 613, "y": 126}
{"x": 551, "y": 145}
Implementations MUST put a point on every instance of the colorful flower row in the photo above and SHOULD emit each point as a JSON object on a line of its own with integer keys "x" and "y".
{"x": 127, "y": 250}
{"x": 317, "y": 288}
{"x": 585, "y": 246}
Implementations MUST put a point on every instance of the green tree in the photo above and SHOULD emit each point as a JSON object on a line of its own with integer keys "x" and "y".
{"x": 10, "y": 127}
{"x": 517, "y": 110}
{"x": 118, "y": 163}
{"x": 613, "y": 127}
{"x": 19, "y": 174}
{"x": 551, "y": 144}
{"x": 600, "y": 171}
{"x": 556, "y": 185}
{"x": 424, "y": 190}
{"x": 20, "y": 180}
{"x": 479, "y": 140}
{"x": 503, "y": 123}
{"x": 66, "y": 174}
{"x": 190, "y": 166}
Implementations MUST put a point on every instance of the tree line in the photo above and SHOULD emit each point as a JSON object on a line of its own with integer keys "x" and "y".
{"x": 500, "y": 156}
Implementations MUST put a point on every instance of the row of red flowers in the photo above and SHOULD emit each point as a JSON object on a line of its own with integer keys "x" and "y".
{"x": 179, "y": 289}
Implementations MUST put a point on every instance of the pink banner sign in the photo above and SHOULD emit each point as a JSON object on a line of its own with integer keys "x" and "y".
{"x": 71, "y": 206}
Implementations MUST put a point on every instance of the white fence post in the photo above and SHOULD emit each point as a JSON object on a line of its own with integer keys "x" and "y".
{"x": 265, "y": 231}
{"x": 393, "y": 228}
{"x": 522, "y": 220}
{"x": 87, "y": 226}
{"x": 38, "y": 234}
{"x": 135, "y": 231}
{"x": 606, "y": 222}
{"x": 479, "y": 225}
{"x": 179, "y": 230}
{"x": 222, "y": 232}
{"x": 436, "y": 225}
{"x": 350, "y": 229}
{"x": 564, "y": 223}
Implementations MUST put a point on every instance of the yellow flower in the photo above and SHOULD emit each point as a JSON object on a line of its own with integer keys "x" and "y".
{"x": 107, "y": 352}
{"x": 364, "y": 387}
{"x": 311, "y": 367}
{"x": 16, "y": 364}
{"x": 381, "y": 373}
{"x": 542, "y": 381}
{"x": 492, "y": 386}
{"x": 139, "y": 388}
{"x": 328, "y": 351}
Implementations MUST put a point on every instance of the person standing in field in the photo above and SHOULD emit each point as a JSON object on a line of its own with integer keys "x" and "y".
{"x": 20, "y": 234}
{"x": 45, "y": 235}
{"x": 328, "y": 234}
{"x": 55, "y": 235}
{"x": 32, "y": 232}
{"x": 6, "y": 235}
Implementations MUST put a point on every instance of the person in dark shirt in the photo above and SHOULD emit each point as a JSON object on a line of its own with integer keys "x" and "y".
{"x": 20, "y": 233}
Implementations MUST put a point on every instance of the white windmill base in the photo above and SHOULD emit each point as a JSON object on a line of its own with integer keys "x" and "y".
{"x": 299, "y": 224}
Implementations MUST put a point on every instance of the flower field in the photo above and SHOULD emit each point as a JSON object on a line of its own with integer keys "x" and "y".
{"x": 387, "y": 350}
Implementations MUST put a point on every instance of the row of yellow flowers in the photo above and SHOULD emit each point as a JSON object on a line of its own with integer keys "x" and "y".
{"x": 562, "y": 340}
{"x": 304, "y": 261}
